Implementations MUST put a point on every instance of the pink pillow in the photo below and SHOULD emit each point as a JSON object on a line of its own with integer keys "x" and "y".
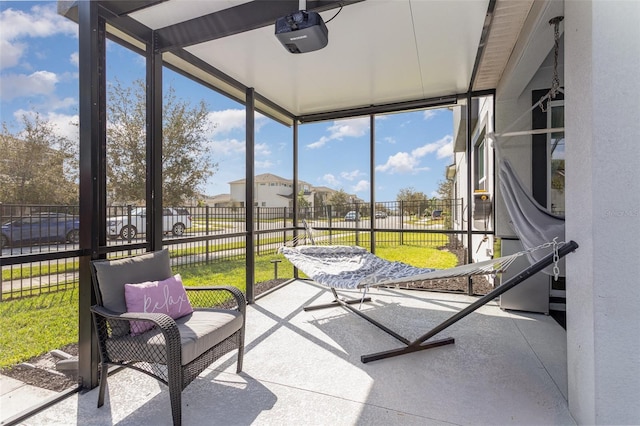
{"x": 167, "y": 297}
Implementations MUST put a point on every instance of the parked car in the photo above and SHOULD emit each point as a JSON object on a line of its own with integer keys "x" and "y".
{"x": 41, "y": 228}
{"x": 381, "y": 215}
{"x": 174, "y": 221}
{"x": 351, "y": 216}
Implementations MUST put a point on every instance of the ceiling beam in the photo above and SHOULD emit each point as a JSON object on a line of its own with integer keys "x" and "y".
{"x": 441, "y": 101}
{"x": 121, "y": 8}
{"x": 238, "y": 19}
{"x": 69, "y": 8}
{"x": 482, "y": 42}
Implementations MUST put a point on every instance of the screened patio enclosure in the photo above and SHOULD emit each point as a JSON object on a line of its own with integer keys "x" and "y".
{"x": 387, "y": 56}
{"x": 392, "y": 63}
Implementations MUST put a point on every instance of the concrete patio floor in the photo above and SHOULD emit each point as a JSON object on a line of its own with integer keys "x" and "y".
{"x": 303, "y": 368}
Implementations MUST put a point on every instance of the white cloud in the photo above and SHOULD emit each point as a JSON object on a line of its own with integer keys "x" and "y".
{"x": 10, "y": 53}
{"x": 330, "y": 180}
{"x": 37, "y": 83}
{"x": 230, "y": 120}
{"x": 227, "y": 120}
{"x": 64, "y": 125}
{"x": 399, "y": 163}
{"x": 446, "y": 150}
{"x": 404, "y": 162}
{"x": 39, "y": 21}
{"x": 361, "y": 186}
{"x": 74, "y": 58}
{"x": 428, "y": 114}
{"x": 264, "y": 165}
{"x": 319, "y": 143}
{"x": 226, "y": 147}
{"x": 262, "y": 149}
{"x": 443, "y": 148}
{"x": 57, "y": 104}
{"x": 353, "y": 128}
{"x": 351, "y": 175}
{"x": 390, "y": 140}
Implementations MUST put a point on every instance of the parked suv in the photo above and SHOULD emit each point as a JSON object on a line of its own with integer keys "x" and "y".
{"x": 41, "y": 228}
{"x": 174, "y": 221}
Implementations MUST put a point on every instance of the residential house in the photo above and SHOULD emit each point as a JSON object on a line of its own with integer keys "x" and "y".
{"x": 270, "y": 191}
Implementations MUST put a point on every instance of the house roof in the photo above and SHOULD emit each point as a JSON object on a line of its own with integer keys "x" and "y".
{"x": 219, "y": 198}
{"x": 323, "y": 189}
{"x": 269, "y": 178}
{"x": 382, "y": 55}
{"x": 264, "y": 178}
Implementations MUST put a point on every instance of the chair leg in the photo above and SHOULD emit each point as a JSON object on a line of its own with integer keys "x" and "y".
{"x": 175, "y": 395}
{"x": 240, "y": 352}
{"x": 174, "y": 374}
{"x": 103, "y": 384}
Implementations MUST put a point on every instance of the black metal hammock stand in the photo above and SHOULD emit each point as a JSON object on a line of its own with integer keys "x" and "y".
{"x": 422, "y": 343}
{"x": 384, "y": 278}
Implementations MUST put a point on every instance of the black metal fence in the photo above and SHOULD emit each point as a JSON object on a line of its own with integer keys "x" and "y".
{"x": 40, "y": 243}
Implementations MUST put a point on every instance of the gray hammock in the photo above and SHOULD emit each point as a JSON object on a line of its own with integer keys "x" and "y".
{"x": 532, "y": 223}
{"x": 351, "y": 267}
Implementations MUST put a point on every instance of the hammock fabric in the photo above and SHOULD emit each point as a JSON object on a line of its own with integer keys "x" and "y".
{"x": 532, "y": 223}
{"x": 349, "y": 267}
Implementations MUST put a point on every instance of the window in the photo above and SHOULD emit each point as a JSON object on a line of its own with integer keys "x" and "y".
{"x": 480, "y": 172}
{"x": 547, "y": 154}
{"x": 555, "y": 152}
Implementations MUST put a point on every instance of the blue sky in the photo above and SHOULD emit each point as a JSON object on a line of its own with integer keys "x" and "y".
{"x": 39, "y": 72}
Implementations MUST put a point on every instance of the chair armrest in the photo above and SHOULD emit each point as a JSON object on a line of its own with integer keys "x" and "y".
{"x": 164, "y": 323}
{"x": 159, "y": 319}
{"x": 222, "y": 300}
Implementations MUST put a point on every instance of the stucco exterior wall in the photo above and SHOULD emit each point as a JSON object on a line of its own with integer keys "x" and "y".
{"x": 602, "y": 65}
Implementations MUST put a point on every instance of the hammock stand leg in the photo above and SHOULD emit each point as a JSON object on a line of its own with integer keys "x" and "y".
{"x": 419, "y": 344}
{"x": 346, "y": 303}
{"x": 337, "y": 301}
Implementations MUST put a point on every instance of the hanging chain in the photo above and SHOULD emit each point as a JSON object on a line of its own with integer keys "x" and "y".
{"x": 555, "y": 245}
{"x": 556, "y": 259}
{"x": 555, "y": 81}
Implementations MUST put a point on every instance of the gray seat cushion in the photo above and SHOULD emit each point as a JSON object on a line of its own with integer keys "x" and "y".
{"x": 114, "y": 274}
{"x": 199, "y": 331}
{"x": 205, "y": 328}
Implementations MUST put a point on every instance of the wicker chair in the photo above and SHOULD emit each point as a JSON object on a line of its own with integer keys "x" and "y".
{"x": 174, "y": 351}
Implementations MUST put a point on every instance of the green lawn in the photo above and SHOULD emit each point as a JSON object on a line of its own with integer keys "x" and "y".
{"x": 32, "y": 326}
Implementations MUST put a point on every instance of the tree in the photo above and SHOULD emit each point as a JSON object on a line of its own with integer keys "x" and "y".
{"x": 303, "y": 204}
{"x": 38, "y": 165}
{"x": 186, "y": 164}
{"x": 340, "y": 201}
{"x": 302, "y": 200}
{"x": 412, "y": 201}
{"x": 445, "y": 189}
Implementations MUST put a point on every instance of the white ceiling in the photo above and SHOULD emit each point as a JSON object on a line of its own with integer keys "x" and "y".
{"x": 379, "y": 52}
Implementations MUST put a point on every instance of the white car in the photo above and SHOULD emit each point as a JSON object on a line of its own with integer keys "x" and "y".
{"x": 351, "y": 216}
{"x": 174, "y": 221}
